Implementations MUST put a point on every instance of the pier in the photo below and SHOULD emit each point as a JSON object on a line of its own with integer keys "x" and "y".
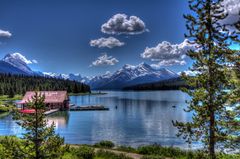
{"x": 51, "y": 111}
{"x": 88, "y": 108}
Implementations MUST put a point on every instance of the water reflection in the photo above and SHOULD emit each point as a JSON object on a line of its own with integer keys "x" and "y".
{"x": 60, "y": 119}
{"x": 140, "y": 118}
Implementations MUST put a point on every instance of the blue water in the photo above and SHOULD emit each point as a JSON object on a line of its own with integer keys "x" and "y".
{"x": 140, "y": 118}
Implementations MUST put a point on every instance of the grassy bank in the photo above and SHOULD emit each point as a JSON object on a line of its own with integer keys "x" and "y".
{"x": 6, "y": 98}
{"x": 107, "y": 150}
{"x": 12, "y": 147}
{"x": 6, "y": 103}
{"x": 161, "y": 152}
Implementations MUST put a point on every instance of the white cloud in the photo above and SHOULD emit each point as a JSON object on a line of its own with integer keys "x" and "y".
{"x": 34, "y": 61}
{"x": 168, "y": 63}
{"x": 109, "y": 42}
{"x": 104, "y": 60}
{"x": 5, "y": 34}
{"x": 232, "y": 8}
{"x": 188, "y": 72}
{"x": 122, "y": 24}
{"x": 167, "y": 54}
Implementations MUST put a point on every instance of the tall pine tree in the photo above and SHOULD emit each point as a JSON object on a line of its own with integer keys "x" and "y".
{"x": 215, "y": 120}
{"x": 41, "y": 142}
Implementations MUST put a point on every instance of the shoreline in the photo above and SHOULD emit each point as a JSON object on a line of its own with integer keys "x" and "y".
{"x": 84, "y": 94}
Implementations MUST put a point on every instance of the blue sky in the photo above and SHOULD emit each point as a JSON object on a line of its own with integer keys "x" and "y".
{"x": 57, "y": 33}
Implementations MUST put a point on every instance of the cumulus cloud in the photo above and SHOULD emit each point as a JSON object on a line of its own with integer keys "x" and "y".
{"x": 122, "y": 24}
{"x": 168, "y": 63}
{"x": 189, "y": 73}
{"x": 109, "y": 42}
{"x": 4, "y": 33}
{"x": 232, "y": 8}
{"x": 104, "y": 60}
{"x": 167, "y": 54}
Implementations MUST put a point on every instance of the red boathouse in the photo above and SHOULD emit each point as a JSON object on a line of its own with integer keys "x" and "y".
{"x": 53, "y": 99}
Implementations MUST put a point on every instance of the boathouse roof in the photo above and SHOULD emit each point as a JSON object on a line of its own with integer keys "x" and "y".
{"x": 50, "y": 96}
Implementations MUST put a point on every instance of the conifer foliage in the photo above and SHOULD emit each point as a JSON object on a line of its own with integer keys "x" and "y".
{"x": 19, "y": 84}
{"x": 215, "y": 119}
{"x": 40, "y": 140}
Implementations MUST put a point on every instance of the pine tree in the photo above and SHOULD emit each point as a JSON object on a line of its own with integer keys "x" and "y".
{"x": 40, "y": 138}
{"x": 11, "y": 93}
{"x": 214, "y": 120}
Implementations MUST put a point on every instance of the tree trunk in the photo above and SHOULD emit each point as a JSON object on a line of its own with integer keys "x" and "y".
{"x": 212, "y": 134}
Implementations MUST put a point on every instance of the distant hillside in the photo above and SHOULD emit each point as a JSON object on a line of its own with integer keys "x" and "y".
{"x": 170, "y": 84}
{"x": 19, "y": 84}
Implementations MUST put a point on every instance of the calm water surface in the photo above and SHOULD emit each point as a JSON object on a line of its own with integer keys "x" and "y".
{"x": 140, "y": 118}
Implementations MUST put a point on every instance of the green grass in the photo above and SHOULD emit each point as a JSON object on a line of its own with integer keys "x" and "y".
{"x": 6, "y": 108}
{"x": 126, "y": 149}
{"x": 9, "y": 148}
{"x": 4, "y": 114}
{"x": 6, "y": 98}
{"x": 102, "y": 154}
{"x": 104, "y": 144}
{"x": 87, "y": 152}
{"x": 7, "y": 104}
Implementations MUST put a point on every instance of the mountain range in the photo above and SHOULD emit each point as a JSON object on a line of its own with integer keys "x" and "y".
{"x": 126, "y": 76}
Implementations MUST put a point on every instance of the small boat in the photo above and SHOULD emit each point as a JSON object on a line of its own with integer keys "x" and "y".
{"x": 174, "y": 106}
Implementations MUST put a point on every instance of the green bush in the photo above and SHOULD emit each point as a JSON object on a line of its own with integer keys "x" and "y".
{"x": 162, "y": 151}
{"x": 4, "y": 109}
{"x": 110, "y": 155}
{"x": 227, "y": 156}
{"x": 105, "y": 144}
{"x": 84, "y": 152}
{"x": 126, "y": 149}
{"x": 153, "y": 157}
{"x": 11, "y": 147}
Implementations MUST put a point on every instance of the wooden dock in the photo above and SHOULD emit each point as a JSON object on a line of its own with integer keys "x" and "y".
{"x": 51, "y": 111}
{"x": 88, "y": 108}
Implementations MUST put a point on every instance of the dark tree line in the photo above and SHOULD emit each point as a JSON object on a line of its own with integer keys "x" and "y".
{"x": 170, "y": 84}
{"x": 19, "y": 84}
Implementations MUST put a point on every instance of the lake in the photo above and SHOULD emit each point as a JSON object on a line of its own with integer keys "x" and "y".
{"x": 140, "y": 118}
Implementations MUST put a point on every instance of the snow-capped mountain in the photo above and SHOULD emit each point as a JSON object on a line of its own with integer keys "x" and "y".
{"x": 8, "y": 68}
{"x": 71, "y": 76}
{"x": 15, "y": 63}
{"x": 126, "y": 76}
{"x": 131, "y": 75}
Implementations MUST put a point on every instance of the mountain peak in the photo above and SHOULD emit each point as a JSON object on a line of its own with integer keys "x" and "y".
{"x": 19, "y": 61}
{"x": 16, "y": 57}
{"x": 145, "y": 65}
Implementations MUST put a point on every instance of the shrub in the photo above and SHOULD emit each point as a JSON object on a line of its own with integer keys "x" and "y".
{"x": 3, "y": 109}
{"x": 111, "y": 155}
{"x": 84, "y": 152}
{"x": 126, "y": 149}
{"x": 153, "y": 157}
{"x": 105, "y": 144}
{"x": 12, "y": 147}
{"x": 159, "y": 150}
